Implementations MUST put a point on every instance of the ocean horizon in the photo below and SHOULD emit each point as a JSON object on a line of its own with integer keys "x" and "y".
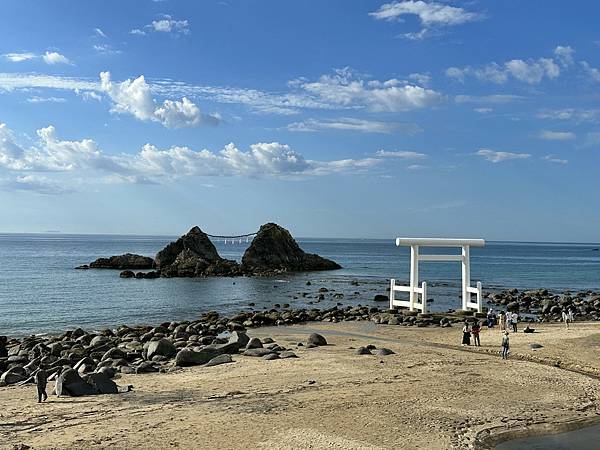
{"x": 41, "y": 292}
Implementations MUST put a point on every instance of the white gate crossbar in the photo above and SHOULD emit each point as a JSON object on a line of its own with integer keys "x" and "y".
{"x": 415, "y": 292}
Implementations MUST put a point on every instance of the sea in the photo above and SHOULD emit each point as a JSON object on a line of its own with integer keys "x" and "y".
{"x": 41, "y": 292}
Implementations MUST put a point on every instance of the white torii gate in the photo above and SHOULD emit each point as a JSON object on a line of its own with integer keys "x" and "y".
{"x": 415, "y": 257}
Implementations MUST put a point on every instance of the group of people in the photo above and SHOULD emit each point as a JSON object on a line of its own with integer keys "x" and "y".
{"x": 508, "y": 321}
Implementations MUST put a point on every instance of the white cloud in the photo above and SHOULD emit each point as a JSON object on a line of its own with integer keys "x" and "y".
{"x": 55, "y": 58}
{"x": 488, "y": 99}
{"x": 137, "y": 32}
{"x": 169, "y": 25}
{"x": 421, "y": 78}
{"x": 577, "y": 115}
{"x": 33, "y": 183}
{"x": 84, "y": 158}
{"x": 496, "y": 157}
{"x": 431, "y": 15}
{"x": 557, "y": 135}
{"x": 50, "y": 58}
{"x": 98, "y": 32}
{"x": 344, "y": 88}
{"x": 350, "y": 124}
{"x": 403, "y": 154}
{"x": 134, "y": 97}
{"x": 483, "y": 110}
{"x": 553, "y": 159}
{"x": 564, "y": 55}
{"x": 19, "y": 57}
{"x": 592, "y": 72}
{"x": 12, "y": 81}
{"x": 36, "y": 99}
{"x": 531, "y": 71}
{"x": 105, "y": 49}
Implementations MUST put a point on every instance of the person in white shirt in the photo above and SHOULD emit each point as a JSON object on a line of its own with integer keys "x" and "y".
{"x": 514, "y": 318}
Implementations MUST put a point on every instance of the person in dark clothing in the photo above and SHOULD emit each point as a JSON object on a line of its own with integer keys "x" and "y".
{"x": 466, "y": 340}
{"x": 475, "y": 329}
{"x": 41, "y": 379}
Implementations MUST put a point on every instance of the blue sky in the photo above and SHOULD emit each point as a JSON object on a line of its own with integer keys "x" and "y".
{"x": 336, "y": 119}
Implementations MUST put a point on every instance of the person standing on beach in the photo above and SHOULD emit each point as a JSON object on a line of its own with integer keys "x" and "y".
{"x": 466, "y": 340}
{"x": 505, "y": 345}
{"x": 502, "y": 321}
{"x": 490, "y": 318}
{"x": 41, "y": 379}
{"x": 475, "y": 330}
{"x": 565, "y": 319}
{"x": 514, "y": 319}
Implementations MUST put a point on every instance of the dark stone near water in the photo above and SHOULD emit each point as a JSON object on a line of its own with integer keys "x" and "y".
{"x": 363, "y": 351}
{"x": 317, "y": 339}
{"x": 127, "y": 274}
{"x": 254, "y": 343}
{"x": 241, "y": 338}
{"x": 71, "y": 384}
{"x": 385, "y": 352}
{"x": 257, "y": 352}
{"x": 189, "y": 357}
{"x": 163, "y": 347}
{"x": 193, "y": 255}
{"x": 221, "y": 359}
{"x": 381, "y": 298}
{"x": 274, "y": 250}
{"x": 101, "y": 383}
{"x": 121, "y": 262}
{"x": 15, "y": 374}
{"x": 287, "y": 354}
{"x": 271, "y": 356}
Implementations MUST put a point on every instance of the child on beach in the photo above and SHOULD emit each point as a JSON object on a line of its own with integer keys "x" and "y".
{"x": 475, "y": 330}
{"x": 505, "y": 345}
{"x": 466, "y": 340}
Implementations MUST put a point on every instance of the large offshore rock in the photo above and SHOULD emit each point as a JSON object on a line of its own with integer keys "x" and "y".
{"x": 274, "y": 249}
{"x": 122, "y": 262}
{"x": 193, "y": 255}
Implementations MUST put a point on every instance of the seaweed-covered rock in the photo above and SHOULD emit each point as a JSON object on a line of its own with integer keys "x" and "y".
{"x": 122, "y": 262}
{"x": 274, "y": 249}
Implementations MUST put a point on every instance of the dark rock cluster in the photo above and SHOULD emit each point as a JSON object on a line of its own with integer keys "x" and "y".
{"x": 121, "y": 262}
{"x": 547, "y": 305}
{"x": 272, "y": 251}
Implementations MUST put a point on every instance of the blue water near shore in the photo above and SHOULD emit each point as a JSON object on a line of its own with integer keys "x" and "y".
{"x": 41, "y": 292}
{"x": 582, "y": 439}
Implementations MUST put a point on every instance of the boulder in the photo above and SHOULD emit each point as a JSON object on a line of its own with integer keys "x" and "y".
{"x": 273, "y": 250}
{"x": 257, "y": 352}
{"x": 193, "y": 255}
{"x": 163, "y": 347}
{"x": 127, "y": 274}
{"x": 13, "y": 375}
{"x": 189, "y": 357}
{"x": 122, "y": 262}
{"x": 363, "y": 351}
{"x": 241, "y": 338}
{"x": 385, "y": 352}
{"x": 381, "y": 298}
{"x": 101, "y": 383}
{"x": 271, "y": 356}
{"x": 287, "y": 354}
{"x": 317, "y": 339}
{"x": 254, "y": 343}
{"x": 221, "y": 359}
{"x": 71, "y": 384}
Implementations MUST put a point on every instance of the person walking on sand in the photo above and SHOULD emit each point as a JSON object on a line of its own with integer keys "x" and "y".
{"x": 514, "y": 319}
{"x": 466, "y": 340}
{"x": 41, "y": 379}
{"x": 565, "y": 319}
{"x": 475, "y": 330}
{"x": 505, "y": 345}
{"x": 490, "y": 318}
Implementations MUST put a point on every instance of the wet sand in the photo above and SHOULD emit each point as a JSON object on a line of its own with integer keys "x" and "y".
{"x": 432, "y": 393}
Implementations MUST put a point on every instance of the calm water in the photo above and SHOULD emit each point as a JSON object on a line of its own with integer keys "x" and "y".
{"x": 583, "y": 439}
{"x": 41, "y": 292}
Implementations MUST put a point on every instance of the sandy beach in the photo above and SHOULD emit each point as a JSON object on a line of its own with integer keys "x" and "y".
{"x": 432, "y": 393}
